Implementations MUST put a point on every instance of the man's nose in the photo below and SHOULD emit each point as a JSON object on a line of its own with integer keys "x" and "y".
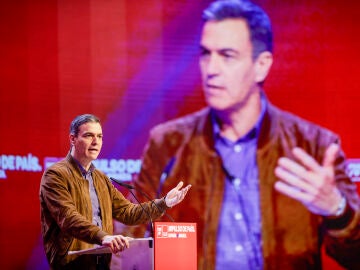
{"x": 213, "y": 65}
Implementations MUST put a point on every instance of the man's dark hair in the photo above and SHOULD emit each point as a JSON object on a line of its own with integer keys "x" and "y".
{"x": 80, "y": 120}
{"x": 257, "y": 20}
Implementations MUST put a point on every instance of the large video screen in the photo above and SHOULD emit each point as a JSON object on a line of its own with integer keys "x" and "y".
{"x": 135, "y": 64}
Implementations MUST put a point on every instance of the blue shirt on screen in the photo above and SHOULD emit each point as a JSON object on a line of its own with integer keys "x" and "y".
{"x": 239, "y": 231}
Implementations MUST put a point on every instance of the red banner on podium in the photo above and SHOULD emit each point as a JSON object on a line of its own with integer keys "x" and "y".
{"x": 175, "y": 246}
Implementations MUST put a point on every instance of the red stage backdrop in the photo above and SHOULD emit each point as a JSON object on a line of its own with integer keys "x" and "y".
{"x": 134, "y": 64}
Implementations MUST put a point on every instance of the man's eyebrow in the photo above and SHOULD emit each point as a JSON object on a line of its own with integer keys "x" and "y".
{"x": 228, "y": 50}
{"x": 221, "y": 51}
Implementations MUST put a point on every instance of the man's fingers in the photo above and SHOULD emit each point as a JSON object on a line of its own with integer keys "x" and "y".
{"x": 122, "y": 242}
{"x": 176, "y": 195}
{"x": 186, "y": 189}
{"x": 126, "y": 242}
{"x": 311, "y": 164}
{"x": 179, "y": 185}
{"x": 330, "y": 155}
{"x": 117, "y": 243}
{"x": 291, "y": 191}
{"x": 183, "y": 192}
{"x": 294, "y": 179}
{"x": 292, "y": 166}
{"x": 308, "y": 161}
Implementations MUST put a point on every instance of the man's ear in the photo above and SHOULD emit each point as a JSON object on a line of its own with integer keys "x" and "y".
{"x": 72, "y": 139}
{"x": 263, "y": 64}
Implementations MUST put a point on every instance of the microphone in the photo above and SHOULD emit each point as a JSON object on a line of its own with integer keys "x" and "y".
{"x": 164, "y": 175}
{"x": 122, "y": 183}
{"x": 130, "y": 188}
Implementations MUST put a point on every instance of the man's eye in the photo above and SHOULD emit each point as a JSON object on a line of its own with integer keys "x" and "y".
{"x": 228, "y": 56}
{"x": 204, "y": 52}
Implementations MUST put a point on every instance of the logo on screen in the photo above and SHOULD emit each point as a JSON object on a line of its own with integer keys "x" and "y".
{"x": 353, "y": 169}
{"x": 26, "y": 163}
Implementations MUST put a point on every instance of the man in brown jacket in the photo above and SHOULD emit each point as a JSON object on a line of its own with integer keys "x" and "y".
{"x": 269, "y": 188}
{"x": 78, "y": 203}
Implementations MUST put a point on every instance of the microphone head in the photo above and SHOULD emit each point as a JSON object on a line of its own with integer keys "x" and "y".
{"x": 121, "y": 183}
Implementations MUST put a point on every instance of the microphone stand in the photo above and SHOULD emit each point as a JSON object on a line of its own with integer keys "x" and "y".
{"x": 130, "y": 188}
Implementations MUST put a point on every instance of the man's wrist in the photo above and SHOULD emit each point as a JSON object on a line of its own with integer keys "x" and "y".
{"x": 343, "y": 219}
{"x": 341, "y": 207}
{"x": 165, "y": 202}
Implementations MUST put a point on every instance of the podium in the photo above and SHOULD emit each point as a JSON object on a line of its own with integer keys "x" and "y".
{"x": 173, "y": 247}
{"x": 139, "y": 256}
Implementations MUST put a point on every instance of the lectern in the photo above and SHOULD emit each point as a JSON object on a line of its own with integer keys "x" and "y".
{"x": 173, "y": 247}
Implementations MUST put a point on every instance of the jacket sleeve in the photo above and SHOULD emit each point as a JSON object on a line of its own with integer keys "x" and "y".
{"x": 135, "y": 213}
{"x": 342, "y": 236}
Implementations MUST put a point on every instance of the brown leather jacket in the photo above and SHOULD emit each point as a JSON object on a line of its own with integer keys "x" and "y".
{"x": 291, "y": 236}
{"x": 66, "y": 215}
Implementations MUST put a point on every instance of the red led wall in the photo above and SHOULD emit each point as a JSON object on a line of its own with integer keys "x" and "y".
{"x": 134, "y": 64}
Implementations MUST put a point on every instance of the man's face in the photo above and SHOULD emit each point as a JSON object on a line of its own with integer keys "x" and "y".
{"x": 88, "y": 143}
{"x": 229, "y": 73}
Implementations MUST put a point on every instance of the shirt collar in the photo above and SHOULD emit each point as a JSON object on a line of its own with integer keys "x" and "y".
{"x": 253, "y": 133}
{"x": 82, "y": 169}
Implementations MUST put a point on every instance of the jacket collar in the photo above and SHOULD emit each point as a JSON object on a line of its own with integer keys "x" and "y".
{"x": 74, "y": 164}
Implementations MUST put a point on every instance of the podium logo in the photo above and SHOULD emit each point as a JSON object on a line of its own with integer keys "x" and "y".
{"x": 174, "y": 231}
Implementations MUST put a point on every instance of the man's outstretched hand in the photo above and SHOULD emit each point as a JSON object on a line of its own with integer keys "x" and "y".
{"x": 176, "y": 195}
